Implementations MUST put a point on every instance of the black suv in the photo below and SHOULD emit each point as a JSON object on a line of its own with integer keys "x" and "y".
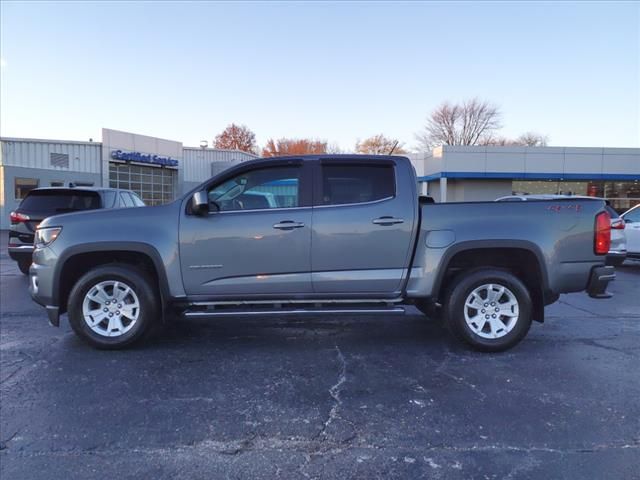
{"x": 41, "y": 203}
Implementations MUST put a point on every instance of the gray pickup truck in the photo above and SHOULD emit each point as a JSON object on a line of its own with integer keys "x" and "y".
{"x": 319, "y": 234}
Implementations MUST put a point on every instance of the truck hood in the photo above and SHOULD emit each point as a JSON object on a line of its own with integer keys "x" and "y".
{"x": 107, "y": 215}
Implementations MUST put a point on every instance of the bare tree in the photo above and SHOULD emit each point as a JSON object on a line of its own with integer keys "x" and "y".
{"x": 532, "y": 139}
{"x": 529, "y": 139}
{"x": 472, "y": 122}
{"x": 379, "y": 145}
{"x": 334, "y": 148}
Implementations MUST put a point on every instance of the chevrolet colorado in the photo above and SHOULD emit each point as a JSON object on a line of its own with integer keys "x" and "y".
{"x": 340, "y": 234}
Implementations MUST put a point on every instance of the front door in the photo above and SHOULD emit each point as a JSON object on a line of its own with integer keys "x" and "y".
{"x": 255, "y": 241}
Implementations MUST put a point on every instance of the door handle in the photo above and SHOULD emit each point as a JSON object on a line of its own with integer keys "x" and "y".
{"x": 385, "y": 221}
{"x": 288, "y": 225}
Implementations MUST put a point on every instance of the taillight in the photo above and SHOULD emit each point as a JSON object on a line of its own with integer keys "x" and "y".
{"x": 617, "y": 225}
{"x": 18, "y": 217}
{"x": 602, "y": 235}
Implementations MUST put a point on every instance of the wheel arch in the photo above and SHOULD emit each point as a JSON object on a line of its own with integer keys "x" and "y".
{"x": 521, "y": 257}
{"x": 77, "y": 260}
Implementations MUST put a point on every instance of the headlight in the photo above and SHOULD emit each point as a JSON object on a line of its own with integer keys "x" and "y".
{"x": 46, "y": 236}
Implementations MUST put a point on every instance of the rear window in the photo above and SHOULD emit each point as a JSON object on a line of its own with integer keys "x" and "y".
{"x": 344, "y": 184}
{"x": 51, "y": 202}
{"x": 125, "y": 200}
{"x": 137, "y": 200}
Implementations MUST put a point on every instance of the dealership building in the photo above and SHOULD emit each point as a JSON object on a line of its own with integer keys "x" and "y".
{"x": 160, "y": 170}
{"x": 469, "y": 173}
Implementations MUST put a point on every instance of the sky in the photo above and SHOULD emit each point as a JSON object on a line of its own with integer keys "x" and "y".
{"x": 336, "y": 71}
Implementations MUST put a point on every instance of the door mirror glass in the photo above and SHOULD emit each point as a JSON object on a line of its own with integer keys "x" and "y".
{"x": 200, "y": 203}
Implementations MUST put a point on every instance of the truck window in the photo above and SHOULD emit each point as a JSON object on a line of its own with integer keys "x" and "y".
{"x": 109, "y": 198}
{"x": 345, "y": 184}
{"x": 125, "y": 200}
{"x": 137, "y": 200}
{"x": 53, "y": 201}
{"x": 264, "y": 188}
{"x": 633, "y": 216}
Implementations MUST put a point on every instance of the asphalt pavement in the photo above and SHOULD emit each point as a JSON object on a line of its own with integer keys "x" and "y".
{"x": 323, "y": 397}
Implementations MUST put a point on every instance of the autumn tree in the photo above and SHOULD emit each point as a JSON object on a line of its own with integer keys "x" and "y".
{"x": 294, "y": 146}
{"x": 472, "y": 122}
{"x": 379, "y": 145}
{"x": 236, "y": 137}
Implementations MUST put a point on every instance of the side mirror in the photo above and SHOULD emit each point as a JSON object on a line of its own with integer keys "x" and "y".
{"x": 200, "y": 203}
{"x": 627, "y": 220}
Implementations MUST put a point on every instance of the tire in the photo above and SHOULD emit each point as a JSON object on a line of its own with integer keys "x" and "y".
{"x": 105, "y": 287}
{"x": 24, "y": 265}
{"x": 478, "y": 327}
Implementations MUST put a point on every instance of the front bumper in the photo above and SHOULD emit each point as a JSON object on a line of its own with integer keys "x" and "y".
{"x": 598, "y": 281}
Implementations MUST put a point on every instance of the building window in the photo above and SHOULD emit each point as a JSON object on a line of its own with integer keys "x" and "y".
{"x": 154, "y": 185}
{"x": 24, "y": 186}
{"x": 621, "y": 195}
{"x": 59, "y": 160}
{"x": 82, "y": 184}
{"x": 56, "y": 183}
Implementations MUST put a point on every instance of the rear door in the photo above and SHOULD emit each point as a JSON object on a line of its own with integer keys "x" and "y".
{"x": 363, "y": 226}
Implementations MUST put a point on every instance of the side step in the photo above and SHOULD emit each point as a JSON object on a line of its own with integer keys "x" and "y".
{"x": 256, "y": 312}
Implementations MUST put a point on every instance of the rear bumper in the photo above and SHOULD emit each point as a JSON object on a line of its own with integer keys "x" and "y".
{"x": 598, "y": 281}
{"x": 616, "y": 258}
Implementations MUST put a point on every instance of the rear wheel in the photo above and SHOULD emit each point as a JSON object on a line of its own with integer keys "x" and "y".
{"x": 112, "y": 306}
{"x": 489, "y": 309}
{"x": 24, "y": 265}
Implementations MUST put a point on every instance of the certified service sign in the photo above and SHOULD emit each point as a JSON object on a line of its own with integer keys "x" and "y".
{"x": 144, "y": 158}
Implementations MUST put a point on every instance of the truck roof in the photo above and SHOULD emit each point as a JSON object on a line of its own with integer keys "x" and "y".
{"x": 337, "y": 156}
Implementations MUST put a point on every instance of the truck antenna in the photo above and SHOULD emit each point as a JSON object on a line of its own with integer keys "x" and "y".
{"x": 394, "y": 147}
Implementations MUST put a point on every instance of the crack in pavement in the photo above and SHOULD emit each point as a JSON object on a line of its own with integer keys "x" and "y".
{"x": 441, "y": 368}
{"x": 595, "y": 314}
{"x": 313, "y": 448}
{"x": 334, "y": 392}
{"x": 5, "y": 443}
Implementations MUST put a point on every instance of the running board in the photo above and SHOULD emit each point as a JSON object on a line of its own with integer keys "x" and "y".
{"x": 291, "y": 311}
{"x": 307, "y": 301}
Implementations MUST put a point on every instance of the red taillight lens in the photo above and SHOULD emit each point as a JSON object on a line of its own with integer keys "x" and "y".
{"x": 602, "y": 236}
{"x": 18, "y": 217}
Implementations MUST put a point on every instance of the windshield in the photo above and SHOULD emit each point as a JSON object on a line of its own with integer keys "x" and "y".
{"x": 50, "y": 202}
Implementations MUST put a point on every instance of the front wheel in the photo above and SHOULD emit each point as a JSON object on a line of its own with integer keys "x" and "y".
{"x": 489, "y": 309}
{"x": 112, "y": 306}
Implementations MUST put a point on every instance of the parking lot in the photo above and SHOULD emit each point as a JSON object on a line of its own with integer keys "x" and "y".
{"x": 348, "y": 397}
